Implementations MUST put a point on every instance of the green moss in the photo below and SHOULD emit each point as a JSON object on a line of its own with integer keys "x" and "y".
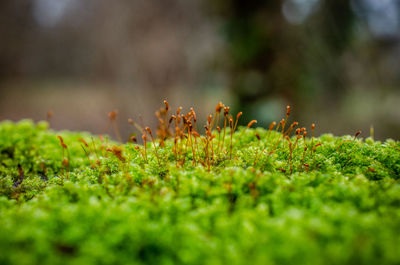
{"x": 335, "y": 206}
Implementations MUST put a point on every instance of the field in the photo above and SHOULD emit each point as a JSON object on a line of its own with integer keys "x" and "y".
{"x": 233, "y": 195}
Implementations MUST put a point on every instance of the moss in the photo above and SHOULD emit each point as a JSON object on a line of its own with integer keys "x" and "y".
{"x": 268, "y": 204}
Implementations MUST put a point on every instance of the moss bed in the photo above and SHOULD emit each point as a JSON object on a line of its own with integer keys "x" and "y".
{"x": 89, "y": 200}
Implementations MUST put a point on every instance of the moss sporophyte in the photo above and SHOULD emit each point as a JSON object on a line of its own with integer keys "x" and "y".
{"x": 191, "y": 194}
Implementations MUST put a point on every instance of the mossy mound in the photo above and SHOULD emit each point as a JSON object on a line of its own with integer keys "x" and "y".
{"x": 268, "y": 201}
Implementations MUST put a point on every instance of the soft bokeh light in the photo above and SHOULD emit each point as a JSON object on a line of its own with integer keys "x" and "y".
{"x": 296, "y": 11}
{"x": 335, "y": 61}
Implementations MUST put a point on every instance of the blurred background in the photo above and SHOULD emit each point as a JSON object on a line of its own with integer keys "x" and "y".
{"x": 336, "y": 62}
